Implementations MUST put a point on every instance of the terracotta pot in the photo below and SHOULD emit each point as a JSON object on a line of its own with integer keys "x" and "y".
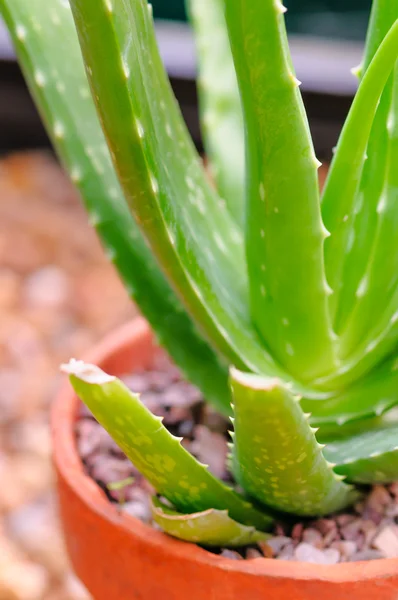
{"x": 120, "y": 558}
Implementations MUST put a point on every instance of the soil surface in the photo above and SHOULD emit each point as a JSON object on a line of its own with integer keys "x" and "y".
{"x": 368, "y": 531}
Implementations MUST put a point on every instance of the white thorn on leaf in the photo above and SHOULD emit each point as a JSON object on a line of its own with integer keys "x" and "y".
{"x": 279, "y": 7}
{"x": 356, "y": 71}
{"x": 328, "y": 289}
{"x": 325, "y": 232}
{"x": 317, "y": 163}
{"x": 109, "y": 7}
{"x": 296, "y": 81}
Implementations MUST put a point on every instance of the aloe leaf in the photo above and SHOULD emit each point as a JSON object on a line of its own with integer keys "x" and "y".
{"x": 284, "y": 235}
{"x": 346, "y": 168}
{"x": 277, "y": 458}
{"x": 42, "y": 38}
{"x": 370, "y": 457}
{"x": 189, "y": 230}
{"x": 369, "y": 398}
{"x": 362, "y": 223}
{"x": 155, "y": 452}
{"x": 208, "y": 528}
{"x": 219, "y": 102}
{"x": 380, "y": 342}
{"x": 380, "y": 278}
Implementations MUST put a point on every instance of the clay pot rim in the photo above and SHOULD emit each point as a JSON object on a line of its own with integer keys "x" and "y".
{"x": 69, "y": 464}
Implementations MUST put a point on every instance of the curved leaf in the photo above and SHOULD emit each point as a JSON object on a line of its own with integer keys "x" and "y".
{"x": 367, "y": 399}
{"x": 155, "y": 452}
{"x": 362, "y": 223}
{"x": 284, "y": 234}
{"x": 346, "y": 168}
{"x": 43, "y": 36}
{"x": 370, "y": 457}
{"x": 219, "y": 102}
{"x": 190, "y": 231}
{"x": 209, "y": 528}
{"x": 276, "y": 456}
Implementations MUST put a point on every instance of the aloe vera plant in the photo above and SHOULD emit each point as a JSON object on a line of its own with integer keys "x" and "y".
{"x": 277, "y": 299}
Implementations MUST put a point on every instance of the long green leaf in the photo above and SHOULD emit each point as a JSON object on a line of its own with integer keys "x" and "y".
{"x": 362, "y": 223}
{"x": 219, "y": 101}
{"x": 209, "y": 528}
{"x": 43, "y": 37}
{"x": 156, "y": 453}
{"x": 380, "y": 279}
{"x": 370, "y": 457}
{"x": 192, "y": 234}
{"x": 369, "y": 398}
{"x": 277, "y": 458}
{"x": 344, "y": 175}
{"x": 284, "y": 234}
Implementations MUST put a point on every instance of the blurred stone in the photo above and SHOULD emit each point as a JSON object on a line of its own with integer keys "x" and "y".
{"x": 34, "y": 527}
{"x": 75, "y": 590}
{"x": 277, "y": 543}
{"x": 378, "y": 499}
{"x": 211, "y": 449}
{"x": 23, "y": 580}
{"x": 10, "y": 284}
{"x": 10, "y": 394}
{"x": 308, "y": 553}
{"x": 24, "y": 478}
{"x": 387, "y": 541}
{"x": 47, "y": 287}
{"x": 313, "y": 537}
{"x": 31, "y": 436}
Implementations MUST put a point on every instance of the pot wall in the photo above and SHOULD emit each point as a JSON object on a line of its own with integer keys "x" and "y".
{"x": 119, "y": 558}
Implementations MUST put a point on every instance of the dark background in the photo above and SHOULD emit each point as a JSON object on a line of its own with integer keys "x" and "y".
{"x": 327, "y": 86}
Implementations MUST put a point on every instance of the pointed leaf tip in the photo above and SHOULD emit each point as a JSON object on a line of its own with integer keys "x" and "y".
{"x": 86, "y": 372}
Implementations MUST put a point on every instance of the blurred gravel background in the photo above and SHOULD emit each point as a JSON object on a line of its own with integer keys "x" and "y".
{"x": 58, "y": 295}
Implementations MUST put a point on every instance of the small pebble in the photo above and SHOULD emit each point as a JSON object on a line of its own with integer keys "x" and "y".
{"x": 387, "y": 542}
{"x": 313, "y": 537}
{"x": 368, "y": 554}
{"x": 226, "y": 553}
{"x": 277, "y": 543}
{"x": 253, "y": 553}
{"x": 48, "y": 287}
{"x": 308, "y": 553}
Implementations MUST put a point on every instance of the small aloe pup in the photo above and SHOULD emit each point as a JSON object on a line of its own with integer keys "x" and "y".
{"x": 279, "y": 302}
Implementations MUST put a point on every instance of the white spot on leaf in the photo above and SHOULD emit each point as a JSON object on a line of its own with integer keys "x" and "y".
{"x": 40, "y": 79}
{"x": 20, "y": 32}
{"x": 59, "y": 130}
